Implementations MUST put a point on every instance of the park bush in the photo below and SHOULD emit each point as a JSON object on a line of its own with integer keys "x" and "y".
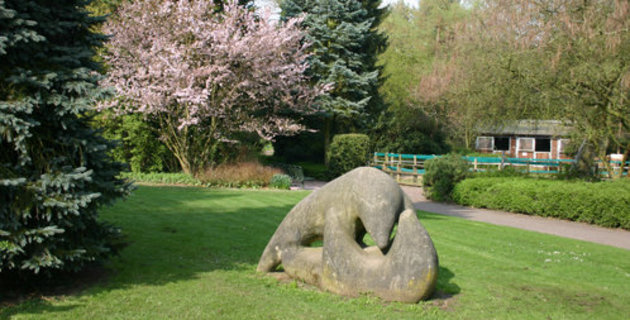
{"x": 442, "y": 174}
{"x": 139, "y": 145}
{"x": 604, "y": 203}
{"x": 239, "y": 175}
{"x": 280, "y": 181}
{"x": 347, "y": 151}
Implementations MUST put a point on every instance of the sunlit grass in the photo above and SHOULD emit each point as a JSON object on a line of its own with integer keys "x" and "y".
{"x": 193, "y": 253}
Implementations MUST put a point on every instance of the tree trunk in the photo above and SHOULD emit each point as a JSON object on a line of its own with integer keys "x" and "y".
{"x": 578, "y": 155}
{"x": 186, "y": 168}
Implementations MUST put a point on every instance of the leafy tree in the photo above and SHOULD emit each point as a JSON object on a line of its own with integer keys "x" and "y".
{"x": 205, "y": 76}
{"x": 407, "y": 129}
{"x": 547, "y": 59}
{"x": 345, "y": 43}
{"x": 55, "y": 171}
{"x": 407, "y": 57}
{"x": 418, "y": 39}
{"x": 138, "y": 143}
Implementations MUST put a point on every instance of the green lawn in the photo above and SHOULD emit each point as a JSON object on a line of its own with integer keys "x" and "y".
{"x": 193, "y": 253}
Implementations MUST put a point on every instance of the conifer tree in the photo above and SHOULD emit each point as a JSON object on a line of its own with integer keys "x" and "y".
{"x": 345, "y": 45}
{"x": 55, "y": 171}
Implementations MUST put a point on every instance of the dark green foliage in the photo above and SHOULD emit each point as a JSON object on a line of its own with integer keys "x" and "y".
{"x": 280, "y": 181}
{"x": 139, "y": 144}
{"x": 305, "y": 146}
{"x": 507, "y": 171}
{"x": 317, "y": 171}
{"x": 409, "y": 130}
{"x": 442, "y": 174}
{"x": 604, "y": 203}
{"x": 347, "y": 151}
{"x": 55, "y": 170}
{"x": 345, "y": 44}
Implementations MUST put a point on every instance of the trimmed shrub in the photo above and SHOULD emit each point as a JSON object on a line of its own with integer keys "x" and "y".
{"x": 507, "y": 171}
{"x": 604, "y": 203}
{"x": 162, "y": 178}
{"x": 347, "y": 151}
{"x": 280, "y": 181}
{"x": 442, "y": 174}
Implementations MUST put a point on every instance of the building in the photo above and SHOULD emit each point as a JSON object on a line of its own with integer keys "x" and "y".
{"x": 534, "y": 139}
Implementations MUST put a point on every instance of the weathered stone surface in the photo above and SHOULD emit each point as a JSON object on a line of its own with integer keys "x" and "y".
{"x": 340, "y": 213}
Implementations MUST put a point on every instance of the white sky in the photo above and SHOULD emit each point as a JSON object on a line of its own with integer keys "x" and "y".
{"x": 275, "y": 11}
{"x": 411, "y": 3}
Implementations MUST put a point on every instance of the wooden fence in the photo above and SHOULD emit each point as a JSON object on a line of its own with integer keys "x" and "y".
{"x": 409, "y": 168}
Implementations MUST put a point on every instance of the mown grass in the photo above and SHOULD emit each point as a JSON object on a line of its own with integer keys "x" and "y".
{"x": 193, "y": 253}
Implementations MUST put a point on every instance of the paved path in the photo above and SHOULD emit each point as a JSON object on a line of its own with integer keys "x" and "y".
{"x": 568, "y": 229}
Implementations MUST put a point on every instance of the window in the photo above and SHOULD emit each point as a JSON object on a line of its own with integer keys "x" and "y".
{"x": 525, "y": 144}
{"x": 502, "y": 143}
{"x": 484, "y": 143}
{"x": 543, "y": 145}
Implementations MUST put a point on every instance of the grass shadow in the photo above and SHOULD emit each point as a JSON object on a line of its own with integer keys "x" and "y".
{"x": 445, "y": 287}
{"x": 34, "y": 306}
{"x": 173, "y": 234}
{"x": 177, "y": 234}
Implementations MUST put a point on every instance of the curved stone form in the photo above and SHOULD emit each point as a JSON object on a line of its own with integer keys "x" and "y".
{"x": 340, "y": 213}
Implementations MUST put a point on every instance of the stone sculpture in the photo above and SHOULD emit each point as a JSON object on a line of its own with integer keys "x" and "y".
{"x": 340, "y": 213}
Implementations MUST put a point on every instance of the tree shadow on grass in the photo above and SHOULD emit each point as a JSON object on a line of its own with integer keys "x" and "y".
{"x": 176, "y": 234}
{"x": 173, "y": 234}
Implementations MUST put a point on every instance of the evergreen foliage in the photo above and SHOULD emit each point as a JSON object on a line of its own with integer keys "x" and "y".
{"x": 345, "y": 43}
{"x": 347, "y": 151}
{"x": 55, "y": 171}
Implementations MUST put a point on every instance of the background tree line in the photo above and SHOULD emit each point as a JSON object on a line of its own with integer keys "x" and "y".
{"x": 426, "y": 79}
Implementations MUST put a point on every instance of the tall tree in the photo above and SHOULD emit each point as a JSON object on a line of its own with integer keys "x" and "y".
{"x": 204, "y": 76}
{"x": 551, "y": 59}
{"x": 419, "y": 40}
{"x": 345, "y": 43}
{"x": 55, "y": 171}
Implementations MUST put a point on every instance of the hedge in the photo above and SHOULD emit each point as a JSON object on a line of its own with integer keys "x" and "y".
{"x": 442, "y": 174}
{"x": 604, "y": 203}
{"x": 347, "y": 151}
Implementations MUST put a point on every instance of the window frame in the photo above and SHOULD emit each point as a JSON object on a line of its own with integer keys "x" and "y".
{"x": 485, "y": 137}
{"x": 519, "y": 144}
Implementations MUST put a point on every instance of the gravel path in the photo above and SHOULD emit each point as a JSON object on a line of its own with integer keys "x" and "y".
{"x": 568, "y": 229}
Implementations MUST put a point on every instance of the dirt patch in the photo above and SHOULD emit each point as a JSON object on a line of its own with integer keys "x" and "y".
{"x": 443, "y": 300}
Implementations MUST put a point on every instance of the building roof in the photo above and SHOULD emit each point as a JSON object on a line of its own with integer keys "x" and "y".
{"x": 530, "y": 128}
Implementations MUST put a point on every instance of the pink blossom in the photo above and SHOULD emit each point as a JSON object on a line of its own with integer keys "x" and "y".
{"x": 179, "y": 59}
